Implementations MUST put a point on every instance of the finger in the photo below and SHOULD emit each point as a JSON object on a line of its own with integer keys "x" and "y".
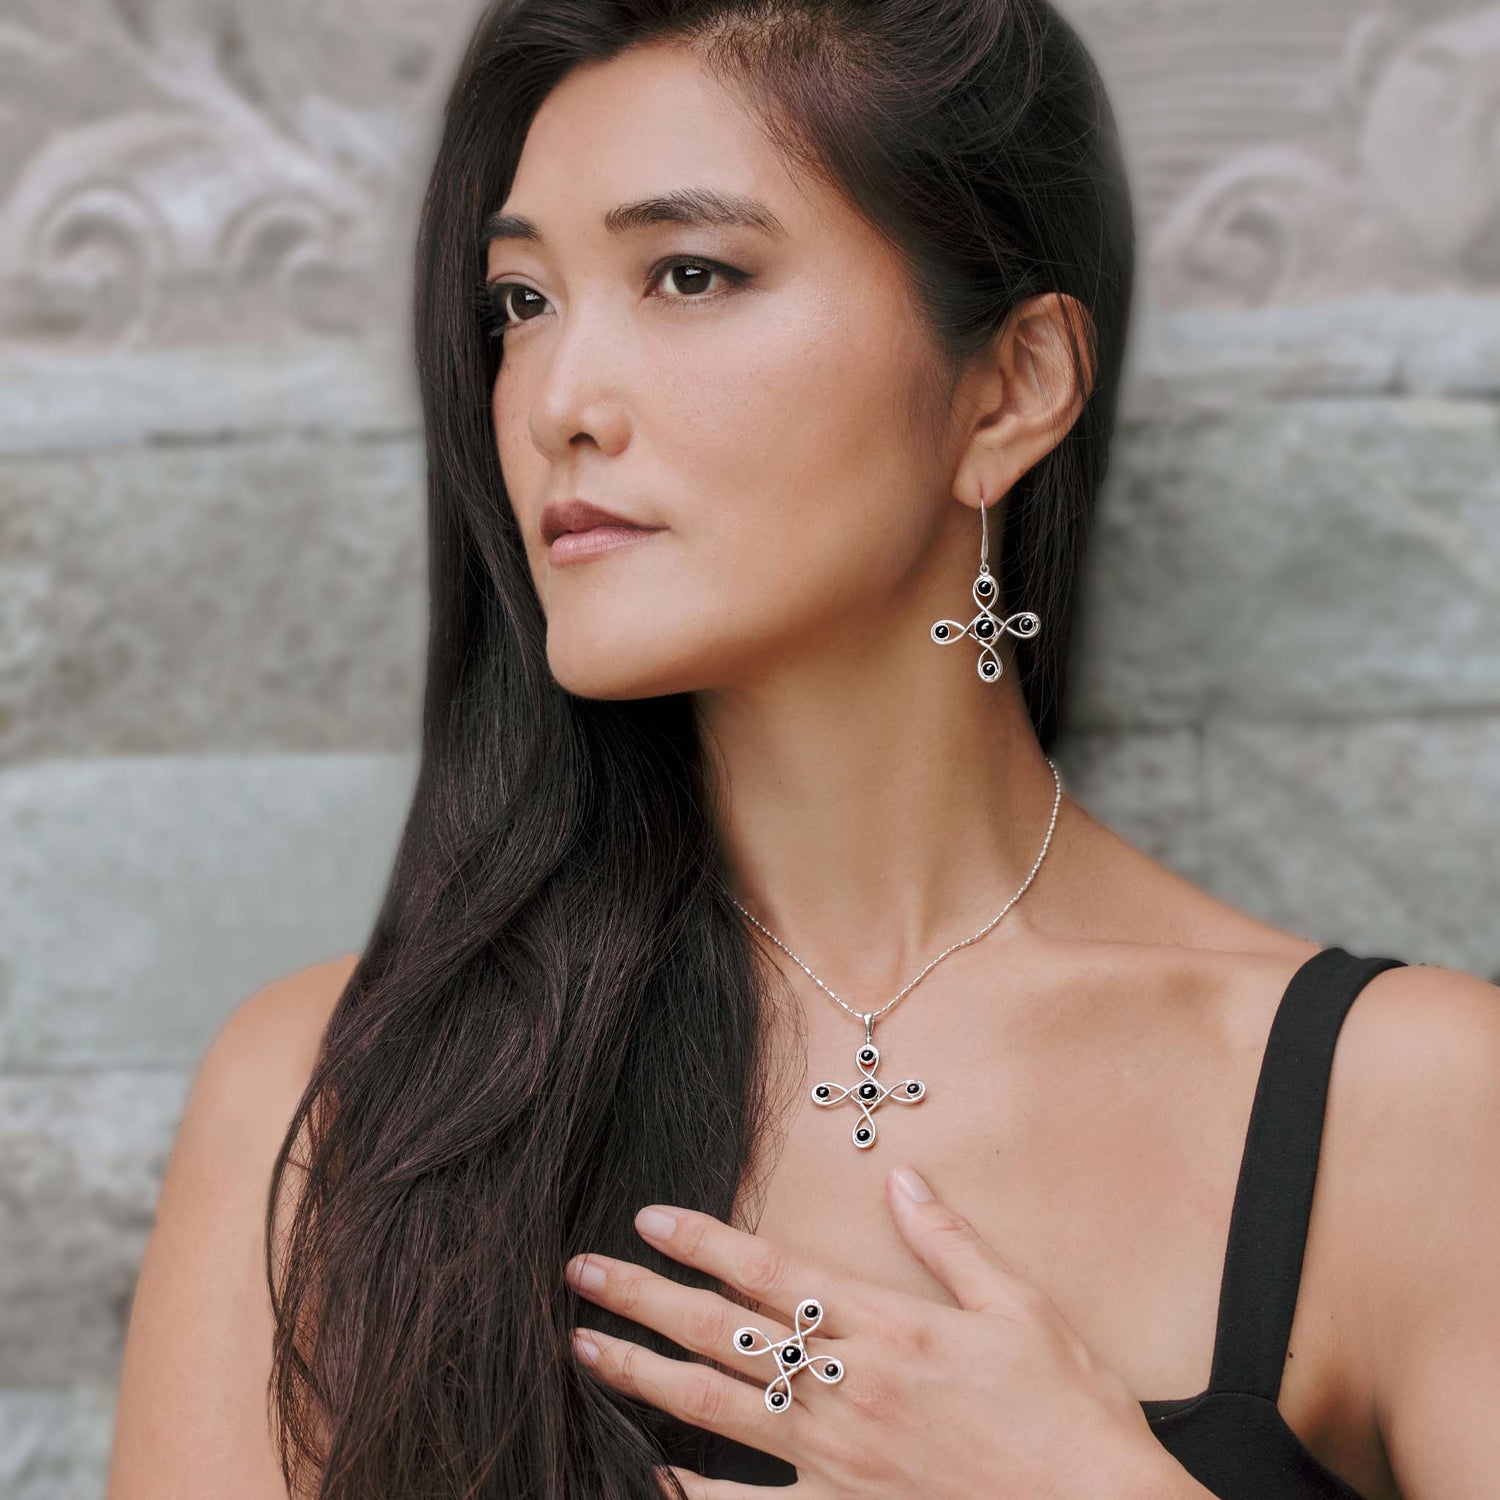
{"x": 949, "y": 1246}
{"x": 694, "y": 1393}
{"x": 768, "y": 1275}
{"x": 692, "y": 1317}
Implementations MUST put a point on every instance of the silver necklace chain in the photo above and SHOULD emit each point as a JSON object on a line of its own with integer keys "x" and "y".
{"x": 871, "y": 1016}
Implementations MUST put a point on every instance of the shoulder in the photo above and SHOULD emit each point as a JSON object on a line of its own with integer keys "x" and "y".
{"x": 1414, "y": 1118}
{"x": 259, "y": 1062}
{"x": 1415, "y": 1090}
{"x": 1420, "y": 1052}
{"x": 254, "y": 1071}
{"x": 191, "y": 1417}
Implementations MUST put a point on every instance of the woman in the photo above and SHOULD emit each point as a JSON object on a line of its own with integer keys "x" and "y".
{"x": 824, "y": 306}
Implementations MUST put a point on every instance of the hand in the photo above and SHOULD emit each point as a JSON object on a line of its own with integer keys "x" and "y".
{"x": 997, "y": 1397}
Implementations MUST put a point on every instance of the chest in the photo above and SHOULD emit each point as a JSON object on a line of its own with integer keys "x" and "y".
{"x": 1102, "y": 1169}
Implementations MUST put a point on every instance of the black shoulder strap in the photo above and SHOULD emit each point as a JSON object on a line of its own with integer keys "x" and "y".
{"x": 1273, "y": 1198}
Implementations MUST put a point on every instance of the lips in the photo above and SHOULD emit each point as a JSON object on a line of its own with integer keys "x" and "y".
{"x": 560, "y": 517}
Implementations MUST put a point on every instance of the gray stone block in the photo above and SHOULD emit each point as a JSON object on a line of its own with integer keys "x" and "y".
{"x": 1379, "y": 344}
{"x": 54, "y": 1445}
{"x": 1315, "y": 558}
{"x": 265, "y": 593}
{"x": 142, "y": 898}
{"x": 68, "y": 402}
{"x": 1379, "y": 834}
{"x": 82, "y": 1157}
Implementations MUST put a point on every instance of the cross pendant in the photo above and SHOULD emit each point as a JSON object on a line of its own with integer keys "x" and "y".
{"x": 870, "y": 1093}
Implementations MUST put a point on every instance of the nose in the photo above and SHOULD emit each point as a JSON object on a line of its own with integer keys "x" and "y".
{"x": 581, "y": 385}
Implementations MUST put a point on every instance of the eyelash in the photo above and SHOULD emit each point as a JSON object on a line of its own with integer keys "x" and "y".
{"x": 492, "y": 294}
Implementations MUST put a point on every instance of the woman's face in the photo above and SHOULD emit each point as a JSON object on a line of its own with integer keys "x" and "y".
{"x": 747, "y": 388}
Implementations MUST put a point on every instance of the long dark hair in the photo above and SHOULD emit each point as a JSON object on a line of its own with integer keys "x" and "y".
{"x": 558, "y": 1016}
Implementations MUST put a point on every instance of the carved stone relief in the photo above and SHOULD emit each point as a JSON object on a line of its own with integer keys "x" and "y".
{"x": 207, "y": 171}
{"x": 182, "y": 171}
{"x": 1404, "y": 197}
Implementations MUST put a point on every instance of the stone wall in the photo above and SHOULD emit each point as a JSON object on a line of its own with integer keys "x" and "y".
{"x": 211, "y": 548}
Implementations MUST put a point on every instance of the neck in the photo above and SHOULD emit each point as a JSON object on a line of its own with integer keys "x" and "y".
{"x": 871, "y": 825}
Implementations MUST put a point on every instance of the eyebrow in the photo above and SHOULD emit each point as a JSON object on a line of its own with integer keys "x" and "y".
{"x": 695, "y": 207}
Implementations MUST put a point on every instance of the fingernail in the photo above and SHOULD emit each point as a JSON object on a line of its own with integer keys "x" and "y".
{"x": 655, "y": 1223}
{"x": 910, "y": 1183}
{"x": 585, "y": 1272}
{"x": 588, "y": 1349}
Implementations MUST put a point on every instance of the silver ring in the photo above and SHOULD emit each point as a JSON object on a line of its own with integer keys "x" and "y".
{"x": 791, "y": 1354}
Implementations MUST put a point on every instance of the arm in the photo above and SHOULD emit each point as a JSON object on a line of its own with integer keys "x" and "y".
{"x": 192, "y": 1415}
{"x": 1422, "y": 1054}
{"x": 1434, "y": 1293}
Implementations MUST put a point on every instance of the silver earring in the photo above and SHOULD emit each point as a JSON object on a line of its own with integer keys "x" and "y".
{"x": 986, "y": 626}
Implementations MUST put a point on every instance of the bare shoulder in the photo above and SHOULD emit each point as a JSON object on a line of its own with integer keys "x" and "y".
{"x": 1414, "y": 1121}
{"x": 1418, "y": 1055}
{"x": 264, "y": 1053}
{"x": 192, "y": 1415}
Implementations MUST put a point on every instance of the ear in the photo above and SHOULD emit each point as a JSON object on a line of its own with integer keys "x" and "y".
{"x": 1024, "y": 394}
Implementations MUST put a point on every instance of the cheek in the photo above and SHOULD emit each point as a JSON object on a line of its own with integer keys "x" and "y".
{"x": 524, "y": 468}
{"x": 793, "y": 417}
{"x": 784, "y": 467}
{"x": 512, "y": 439}
{"x": 803, "y": 383}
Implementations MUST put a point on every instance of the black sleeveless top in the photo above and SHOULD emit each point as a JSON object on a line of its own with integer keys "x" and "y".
{"x": 1231, "y": 1437}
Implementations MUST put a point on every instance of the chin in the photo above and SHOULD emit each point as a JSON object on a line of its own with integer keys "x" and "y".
{"x": 595, "y": 669}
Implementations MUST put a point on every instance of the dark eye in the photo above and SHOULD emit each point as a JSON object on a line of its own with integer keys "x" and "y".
{"x": 500, "y": 303}
{"x": 703, "y": 271}
{"x": 505, "y": 304}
